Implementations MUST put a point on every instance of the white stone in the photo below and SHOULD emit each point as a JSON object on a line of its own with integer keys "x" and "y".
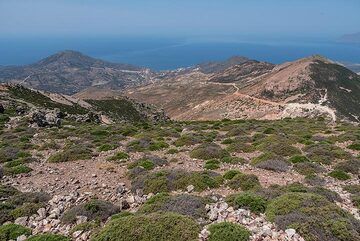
{"x": 190, "y": 188}
{"x": 21, "y": 221}
{"x": 290, "y": 232}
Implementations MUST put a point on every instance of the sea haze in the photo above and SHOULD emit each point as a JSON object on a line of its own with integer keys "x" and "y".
{"x": 171, "y": 53}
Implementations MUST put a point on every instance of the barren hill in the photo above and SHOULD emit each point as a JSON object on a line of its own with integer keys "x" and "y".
{"x": 307, "y": 87}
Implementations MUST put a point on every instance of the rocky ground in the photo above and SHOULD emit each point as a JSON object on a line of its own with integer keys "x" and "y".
{"x": 73, "y": 178}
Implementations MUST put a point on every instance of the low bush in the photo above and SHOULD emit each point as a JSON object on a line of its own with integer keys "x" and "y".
{"x": 239, "y": 147}
{"x": 183, "y": 204}
{"x": 277, "y": 165}
{"x": 87, "y": 226}
{"x": 233, "y": 160}
{"x": 146, "y": 144}
{"x": 12, "y": 231}
{"x": 72, "y": 153}
{"x": 251, "y": 201}
{"x": 148, "y": 163}
{"x": 350, "y": 166}
{"x": 298, "y": 159}
{"x": 25, "y": 210}
{"x": 7, "y": 191}
{"x": 244, "y": 181}
{"x": 48, "y": 237}
{"x": 228, "y": 232}
{"x": 313, "y": 216}
{"x": 308, "y": 168}
{"x": 353, "y": 189}
{"x": 151, "y": 227}
{"x": 325, "y": 153}
{"x": 188, "y": 140}
{"x": 29, "y": 197}
{"x": 118, "y": 157}
{"x": 208, "y": 151}
{"x": 212, "y": 164}
{"x": 340, "y": 175}
{"x": 314, "y": 180}
{"x": 354, "y": 146}
{"x": 230, "y": 174}
{"x": 15, "y": 170}
{"x": 106, "y": 147}
{"x": 166, "y": 181}
{"x": 93, "y": 210}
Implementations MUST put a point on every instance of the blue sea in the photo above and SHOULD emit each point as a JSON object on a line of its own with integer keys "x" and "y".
{"x": 171, "y": 53}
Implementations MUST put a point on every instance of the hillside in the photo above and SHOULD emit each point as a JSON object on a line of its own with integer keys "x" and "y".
{"x": 307, "y": 87}
{"x": 68, "y": 72}
{"x": 33, "y": 103}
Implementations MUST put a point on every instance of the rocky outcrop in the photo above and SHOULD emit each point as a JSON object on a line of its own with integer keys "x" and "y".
{"x": 46, "y": 118}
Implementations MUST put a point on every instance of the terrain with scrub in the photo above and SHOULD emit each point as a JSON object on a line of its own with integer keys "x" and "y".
{"x": 289, "y": 179}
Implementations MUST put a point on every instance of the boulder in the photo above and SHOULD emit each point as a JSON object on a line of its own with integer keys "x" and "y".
{"x": 44, "y": 118}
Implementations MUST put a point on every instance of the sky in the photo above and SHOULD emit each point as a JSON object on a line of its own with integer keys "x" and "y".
{"x": 208, "y": 18}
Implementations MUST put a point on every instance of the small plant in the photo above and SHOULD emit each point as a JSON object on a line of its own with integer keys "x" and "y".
{"x": 354, "y": 146}
{"x": 208, "y": 151}
{"x": 12, "y": 231}
{"x": 72, "y": 153}
{"x": 340, "y": 175}
{"x": 251, "y": 201}
{"x": 298, "y": 159}
{"x": 230, "y": 174}
{"x": 212, "y": 164}
{"x": 118, "y": 156}
{"x": 151, "y": 227}
{"x": 48, "y": 237}
{"x": 94, "y": 209}
{"x": 228, "y": 232}
{"x": 244, "y": 181}
{"x": 106, "y": 147}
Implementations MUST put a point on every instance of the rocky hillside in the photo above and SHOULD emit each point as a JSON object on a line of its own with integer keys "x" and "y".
{"x": 307, "y": 87}
{"x": 246, "y": 180}
{"x": 69, "y": 72}
{"x": 50, "y": 109}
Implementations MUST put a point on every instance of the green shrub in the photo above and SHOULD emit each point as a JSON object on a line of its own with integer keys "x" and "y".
{"x": 244, "y": 181}
{"x": 314, "y": 217}
{"x": 251, "y": 201}
{"x": 325, "y": 153}
{"x": 354, "y": 146}
{"x": 166, "y": 181}
{"x": 12, "y": 231}
{"x": 233, "y": 160}
{"x": 172, "y": 151}
{"x": 93, "y": 210}
{"x": 118, "y": 156}
{"x": 308, "y": 168}
{"x": 148, "y": 163}
{"x": 152, "y": 227}
{"x": 212, "y": 164}
{"x": 227, "y": 141}
{"x": 350, "y": 166}
{"x": 230, "y": 174}
{"x": 183, "y": 204}
{"x": 17, "y": 170}
{"x": 239, "y": 147}
{"x": 7, "y": 191}
{"x": 106, "y": 147}
{"x": 188, "y": 140}
{"x": 353, "y": 189}
{"x": 48, "y": 237}
{"x": 146, "y": 144}
{"x": 226, "y": 231}
{"x": 26, "y": 210}
{"x": 340, "y": 175}
{"x": 72, "y": 153}
{"x": 87, "y": 226}
{"x": 298, "y": 159}
{"x": 208, "y": 151}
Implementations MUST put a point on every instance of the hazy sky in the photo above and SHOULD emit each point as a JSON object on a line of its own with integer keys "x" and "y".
{"x": 179, "y": 17}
